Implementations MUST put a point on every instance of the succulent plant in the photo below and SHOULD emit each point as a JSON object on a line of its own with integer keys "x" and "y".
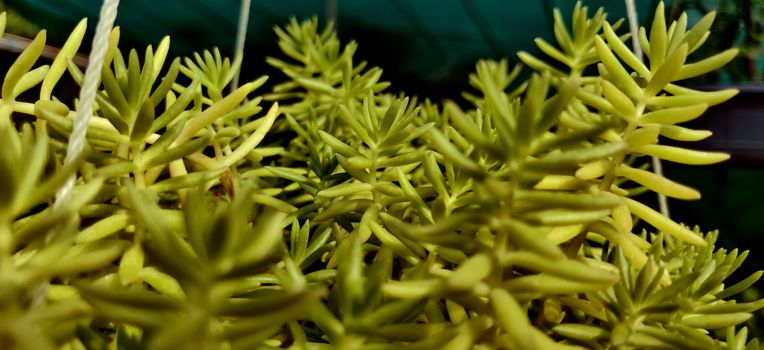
{"x": 349, "y": 217}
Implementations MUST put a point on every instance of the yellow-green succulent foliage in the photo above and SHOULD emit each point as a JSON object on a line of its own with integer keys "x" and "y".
{"x": 328, "y": 213}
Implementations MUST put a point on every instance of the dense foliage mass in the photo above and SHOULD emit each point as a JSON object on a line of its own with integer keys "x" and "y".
{"x": 328, "y": 213}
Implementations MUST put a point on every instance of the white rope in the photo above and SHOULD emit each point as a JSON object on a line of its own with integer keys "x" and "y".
{"x": 631, "y": 10}
{"x": 87, "y": 94}
{"x": 241, "y": 37}
{"x": 87, "y": 98}
{"x": 331, "y": 13}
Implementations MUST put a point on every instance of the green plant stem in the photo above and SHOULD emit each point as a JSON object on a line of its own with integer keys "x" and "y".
{"x": 6, "y": 247}
{"x": 575, "y": 244}
{"x": 6, "y": 109}
{"x": 610, "y": 177}
{"x": 373, "y": 173}
{"x": 23, "y": 107}
{"x": 140, "y": 180}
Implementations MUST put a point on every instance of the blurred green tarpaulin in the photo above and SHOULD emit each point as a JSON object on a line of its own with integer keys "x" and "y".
{"x": 430, "y": 41}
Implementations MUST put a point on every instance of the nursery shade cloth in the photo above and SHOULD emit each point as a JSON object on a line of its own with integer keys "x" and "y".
{"x": 427, "y": 42}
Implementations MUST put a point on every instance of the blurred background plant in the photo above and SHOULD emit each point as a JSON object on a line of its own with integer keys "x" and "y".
{"x": 17, "y": 24}
{"x": 739, "y": 23}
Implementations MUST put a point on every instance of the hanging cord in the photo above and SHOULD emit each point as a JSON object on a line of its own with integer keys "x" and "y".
{"x": 331, "y": 13}
{"x": 241, "y": 37}
{"x": 631, "y": 10}
{"x": 87, "y": 95}
{"x": 87, "y": 98}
